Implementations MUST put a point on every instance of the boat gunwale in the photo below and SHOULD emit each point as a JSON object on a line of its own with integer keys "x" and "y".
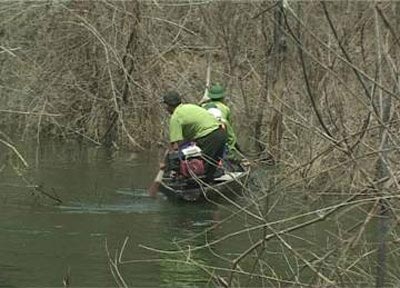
{"x": 203, "y": 190}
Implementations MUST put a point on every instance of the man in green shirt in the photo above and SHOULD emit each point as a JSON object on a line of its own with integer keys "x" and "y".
{"x": 190, "y": 122}
{"x": 216, "y": 94}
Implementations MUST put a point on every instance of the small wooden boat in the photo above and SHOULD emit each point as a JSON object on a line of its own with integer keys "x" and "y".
{"x": 228, "y": 185}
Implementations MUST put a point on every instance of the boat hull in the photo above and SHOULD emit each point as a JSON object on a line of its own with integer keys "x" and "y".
{"x": 227, "y": 187}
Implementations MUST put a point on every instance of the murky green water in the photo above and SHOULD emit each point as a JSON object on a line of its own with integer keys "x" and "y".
{"x": 105, "y": 202}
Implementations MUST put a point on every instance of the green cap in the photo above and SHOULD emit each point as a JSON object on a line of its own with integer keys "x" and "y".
{"x": 216, "y": 92}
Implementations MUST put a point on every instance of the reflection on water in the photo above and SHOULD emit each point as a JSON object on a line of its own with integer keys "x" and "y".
{"x": 130, "y": 201}
{"x": 187, "y": 222}
{"x": 104, "y": 198}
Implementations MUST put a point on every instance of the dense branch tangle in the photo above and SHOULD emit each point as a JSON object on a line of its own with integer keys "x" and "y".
{"x": 305, "y": 83}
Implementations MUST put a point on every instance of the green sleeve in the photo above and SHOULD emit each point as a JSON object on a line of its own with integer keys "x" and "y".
{"x": 228, "y": 114}
{"x": 175, "y": 129}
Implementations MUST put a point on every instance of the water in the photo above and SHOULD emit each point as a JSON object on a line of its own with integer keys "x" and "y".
{"x": 104, "y": 202}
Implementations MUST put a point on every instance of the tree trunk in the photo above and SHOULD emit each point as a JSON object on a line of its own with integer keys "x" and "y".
{"x": 273, "y": 85}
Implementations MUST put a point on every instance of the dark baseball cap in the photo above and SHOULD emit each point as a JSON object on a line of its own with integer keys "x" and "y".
{"x": 172, "y": 98}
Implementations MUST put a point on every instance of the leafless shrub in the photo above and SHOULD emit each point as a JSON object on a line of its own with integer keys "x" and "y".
{"x": 314, "y": 84}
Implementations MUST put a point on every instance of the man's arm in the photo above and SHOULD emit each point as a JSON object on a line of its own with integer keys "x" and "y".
{"x": 175, "y": 133}
{"x": 173, "y": 146}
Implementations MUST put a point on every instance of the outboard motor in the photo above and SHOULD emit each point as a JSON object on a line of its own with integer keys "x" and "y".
{"x": 191, "y": 163}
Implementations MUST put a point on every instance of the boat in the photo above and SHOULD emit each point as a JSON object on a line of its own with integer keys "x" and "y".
{"x": 229, "y": 184}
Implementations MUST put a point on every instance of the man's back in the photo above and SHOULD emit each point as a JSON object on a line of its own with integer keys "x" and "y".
{"x": 225, "y": 110}
{"x": 190, "y": 122}
{"x": 226, "y": 119}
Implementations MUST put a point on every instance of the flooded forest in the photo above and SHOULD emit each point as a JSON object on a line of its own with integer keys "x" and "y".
{"x": 313, "y": 86}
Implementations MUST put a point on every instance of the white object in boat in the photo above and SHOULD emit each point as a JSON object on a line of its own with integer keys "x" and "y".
{"x": 191, "y": 151}
{"x": 229, "y": 176}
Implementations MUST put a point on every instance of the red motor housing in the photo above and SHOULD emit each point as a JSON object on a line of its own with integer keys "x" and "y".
{"x": 193, "y": 166}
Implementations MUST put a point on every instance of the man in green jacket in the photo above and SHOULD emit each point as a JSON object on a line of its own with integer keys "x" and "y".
{"x": 190, "y": 122}
{"x": 216, "y": 94}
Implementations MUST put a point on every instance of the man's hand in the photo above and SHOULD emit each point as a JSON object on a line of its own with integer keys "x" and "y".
{"x": 174, "y": 146}
{"x": 162, "y": 166}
